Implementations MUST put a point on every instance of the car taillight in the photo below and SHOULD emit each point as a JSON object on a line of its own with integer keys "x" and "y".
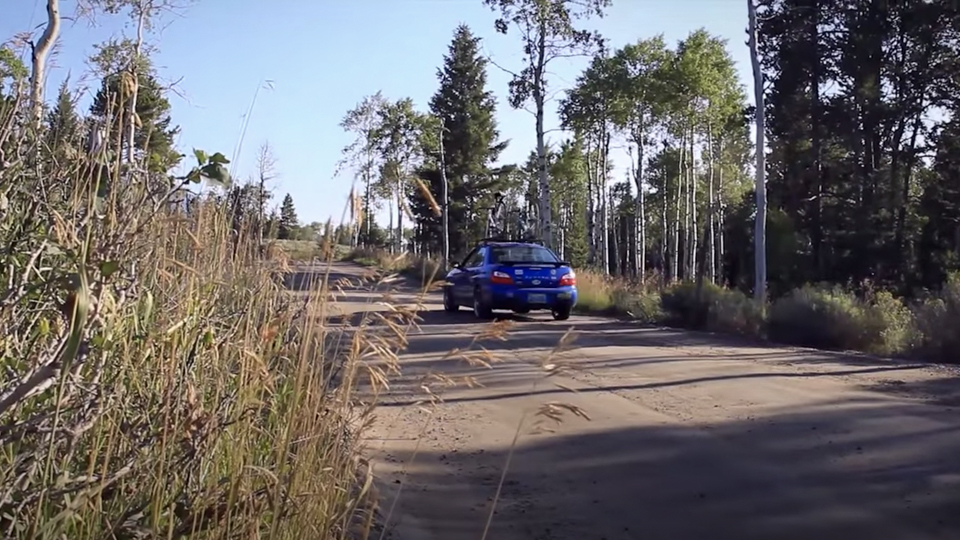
{"x": 568, "y": 280}
{"x": 501, "y": 278}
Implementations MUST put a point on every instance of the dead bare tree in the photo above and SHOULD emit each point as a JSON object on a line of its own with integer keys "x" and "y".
{"x": 266, "y": 171}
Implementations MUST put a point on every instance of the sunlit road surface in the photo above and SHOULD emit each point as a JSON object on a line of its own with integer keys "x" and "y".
{"x": 690, "y": 436}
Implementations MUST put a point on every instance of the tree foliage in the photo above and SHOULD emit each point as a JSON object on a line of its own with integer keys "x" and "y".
{"x": 466, "y": 112}
{"x": 289, "y": 222}
{"x": 548, "y": 30}
{"x": 861, "y": 111}
{"x": 155, "y": 132}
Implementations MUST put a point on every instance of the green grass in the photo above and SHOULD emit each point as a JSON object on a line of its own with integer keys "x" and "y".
{"x": 423, "y": 270}
{"x": 308, "y": 250}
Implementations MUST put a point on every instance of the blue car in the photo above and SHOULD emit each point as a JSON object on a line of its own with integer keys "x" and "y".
{"x": 515, "y": 276}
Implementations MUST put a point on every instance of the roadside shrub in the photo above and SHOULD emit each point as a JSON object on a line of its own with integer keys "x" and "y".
{"x": 890, "y": 326}
{"x": 681, "y": 307}
{"x": 423, "y": 269}
{"x": 420, "y": 268}
{"x": 937, "y": 323}
{"x": 732, "y": 311}
{"x": 370, "y": 257}
{"x": 643, "y": 305}
{"x": 717, "y": 309}
{"x": 299, "y": 250}
{"x": 595, "y": 292}
{"x": 816, "y": 317}
{"x": 832, "y": 318}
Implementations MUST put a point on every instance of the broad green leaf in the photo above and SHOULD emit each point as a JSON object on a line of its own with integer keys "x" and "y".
{"x": 108, "y": 268}
{"x": 216, "y": 172}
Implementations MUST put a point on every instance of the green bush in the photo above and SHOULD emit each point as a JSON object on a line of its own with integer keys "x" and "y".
{"x": 732, "y": 311}
{"x": 937, "y": 322}
{"x": 890, "y": 324}
{"x": 682, "y": 306}
{"x": 423, "y": 269}
{"x": 830, "y": 317}
{"x": 717, "y": 309}
{"x": 644, "y": 306}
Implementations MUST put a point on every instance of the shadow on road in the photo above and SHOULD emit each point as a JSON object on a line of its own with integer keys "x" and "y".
{"x": 796, "y": 476}
{"x": 491, "y": 385}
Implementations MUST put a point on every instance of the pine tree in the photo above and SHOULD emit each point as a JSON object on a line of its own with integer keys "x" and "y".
{"x": 63, "y": 125}
{"x": 155, "y": 133}
{"x": 288, "y": 219}
{"x": 470, "y": 145}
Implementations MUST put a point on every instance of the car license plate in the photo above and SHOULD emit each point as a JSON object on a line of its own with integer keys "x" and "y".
{"x": 537, "y": 298}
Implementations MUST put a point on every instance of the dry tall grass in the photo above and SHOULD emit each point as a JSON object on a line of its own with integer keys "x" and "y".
{"x": 159, "y": 380}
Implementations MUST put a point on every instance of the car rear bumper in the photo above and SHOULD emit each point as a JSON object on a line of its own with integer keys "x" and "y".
{"x": 503, "y": 297}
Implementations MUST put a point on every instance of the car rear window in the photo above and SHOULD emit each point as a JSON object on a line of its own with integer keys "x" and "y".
{"x": 522, "y": 254}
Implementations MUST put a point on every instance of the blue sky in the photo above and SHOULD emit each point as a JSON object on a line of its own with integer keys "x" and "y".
{"x": 323, "y": 56}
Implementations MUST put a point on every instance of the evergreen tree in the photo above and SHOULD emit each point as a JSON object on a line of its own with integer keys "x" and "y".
{"x": 271, "y": 225}
{"x": 288, "y": 224}
{"x": 154, "y": 136}
{"x": 470, "y": 145}
{"x": 63, "y": 126}
{"x": 855, "y": 109}
{"x": 569, "y": 184}
{"x": 12, "y": 70}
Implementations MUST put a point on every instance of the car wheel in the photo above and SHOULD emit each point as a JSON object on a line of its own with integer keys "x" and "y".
{"x": 480, "y": 308}
{"x": 449, "y": 304}
{"x": 561, "y": 314}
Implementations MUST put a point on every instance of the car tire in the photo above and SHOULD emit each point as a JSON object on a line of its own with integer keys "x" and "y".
{"x": 480, "y": 309}
{"x": 449, "y": 304}
{"x": 561, "y": 313}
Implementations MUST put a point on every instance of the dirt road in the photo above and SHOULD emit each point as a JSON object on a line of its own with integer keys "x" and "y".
{"x": 689, "y": 437}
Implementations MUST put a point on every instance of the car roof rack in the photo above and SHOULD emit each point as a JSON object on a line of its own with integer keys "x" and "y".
{"x": 517, "y": 240}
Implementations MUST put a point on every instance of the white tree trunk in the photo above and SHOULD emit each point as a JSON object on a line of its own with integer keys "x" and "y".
{"x": 591, "y": 219}
{"x": 760, "y": 229}
{"x": 675, "y": 267}
{"x": 721, "y": 208}
{"x": 399, "y": 209}
{"x": 711, "y": 259}
{"x": 692, "y": 218}
{"x": 38, "y": 59}
{"x": 664, "y": 233}
{"x": 390, "y": 228}
{"x": 640, "y": 267}
{"x": 604, "y": 151}
{"x": 592, "y": 207}
{"x": 142, "y": 12}
{"x": 546, "y": 223}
